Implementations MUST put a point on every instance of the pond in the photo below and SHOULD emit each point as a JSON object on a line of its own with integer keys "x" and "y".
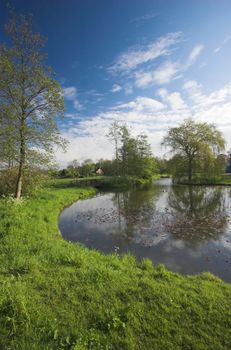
{"x": 187, "y": 228}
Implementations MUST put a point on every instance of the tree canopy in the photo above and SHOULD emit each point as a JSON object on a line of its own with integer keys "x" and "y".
{"x": 133, "y": 155}
{"x": 194, "y": 142}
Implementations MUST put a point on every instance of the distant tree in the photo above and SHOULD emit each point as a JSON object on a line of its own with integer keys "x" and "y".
{"x": 108, "y": 166}
{"x": 30, "y": 100}
{"x": 73, "y": 168}
{"x": 161, "y": 165}
{"x": 145, "y": 162}
{"x": 126, "y": 150}
{"x": 193, "y": 141}
{"x": 87, "y": 168}
{"x": 177, "y": 166}
{"x": 133, "y": 154}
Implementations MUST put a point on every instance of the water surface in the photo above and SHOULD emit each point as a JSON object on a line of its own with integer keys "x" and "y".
{"x": 186, "y": 228}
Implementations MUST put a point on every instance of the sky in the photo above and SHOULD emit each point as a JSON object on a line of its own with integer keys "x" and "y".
{"x": 147, "y": 63}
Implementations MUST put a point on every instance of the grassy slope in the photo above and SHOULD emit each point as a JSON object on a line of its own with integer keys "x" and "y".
{"x": 57, "y": 295}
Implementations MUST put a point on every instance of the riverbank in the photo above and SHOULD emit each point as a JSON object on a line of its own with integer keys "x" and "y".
{"x": 110, "y": 182}
{"x": 57, "y": 295}
{"x": 218, "y": 181}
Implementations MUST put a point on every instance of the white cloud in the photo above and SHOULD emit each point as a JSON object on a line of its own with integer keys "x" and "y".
{"x": 174, "y": 100}
{"x": 70, "y": 93}
{"x": 224, "y": 42}
{"x": 128, "y": 89}
{"x": 167, "y": 71}
{"x": 134, "y": 57}
{"x": 116, "y": 88}
{"x": 77, "y": 105}
{"x": 137, "y": 63}
{"x": 162, "y": 75}
{"x": 153, "y": 116}
{"x": 141, "y": 104}
{"x": 194, "y": 91}
{"x": 217, "y": 97}
{"x": 194, "y": 54}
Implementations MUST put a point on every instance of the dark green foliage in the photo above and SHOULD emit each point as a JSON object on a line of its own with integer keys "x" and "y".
{"x": 87, "y": 168}
{"x": 108, "y": 166}
{"x": 33, "y": 179}
{"x": 58, "y": 295}
{"x": 161, "y": 165}
{"x": 133, "y": 155}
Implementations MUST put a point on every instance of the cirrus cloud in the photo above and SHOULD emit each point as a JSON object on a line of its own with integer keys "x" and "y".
{"x": 136, "y": 56}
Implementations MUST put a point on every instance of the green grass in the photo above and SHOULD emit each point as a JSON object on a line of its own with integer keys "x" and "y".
{"x": 107, "y": 182}
{"x": 57, "y": 295}
{"x": 224, "y": 180}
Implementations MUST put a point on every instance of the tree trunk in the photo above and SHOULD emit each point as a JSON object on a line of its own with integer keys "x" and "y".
{"x": 18, "y": 190}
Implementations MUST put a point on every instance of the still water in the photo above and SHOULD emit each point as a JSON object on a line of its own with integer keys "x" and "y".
{"x": 186, "y": 228}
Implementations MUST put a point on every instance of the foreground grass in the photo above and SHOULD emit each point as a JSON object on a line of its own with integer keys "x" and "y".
{"x": 57, "y": 295}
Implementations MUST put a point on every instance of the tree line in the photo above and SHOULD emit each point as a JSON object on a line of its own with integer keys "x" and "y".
{"x": 132, "y": 157}
{"x": 194, "y": 149}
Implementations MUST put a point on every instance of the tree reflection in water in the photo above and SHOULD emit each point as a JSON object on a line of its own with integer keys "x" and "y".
{"x": 196, "y": 214}
{"x": 136, "y": 210}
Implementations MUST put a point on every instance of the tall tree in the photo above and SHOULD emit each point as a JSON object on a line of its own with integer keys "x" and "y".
{"x": 114, "y": 135}
{"x": 133, "y": 154}
{"x": 126, "y": 150}
{"x": 30, "y": 98}
{"x": 193, "y": 140}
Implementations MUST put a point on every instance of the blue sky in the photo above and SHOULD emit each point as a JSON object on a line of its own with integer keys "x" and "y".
{"x": 147, "y": 63}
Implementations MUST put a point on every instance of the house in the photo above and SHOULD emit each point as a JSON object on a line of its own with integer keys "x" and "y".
{"x": 99, "y": 172}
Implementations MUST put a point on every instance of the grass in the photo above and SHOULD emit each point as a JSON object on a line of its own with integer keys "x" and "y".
{"x": 224, "y": 180}
{"x": 107, "y": 182}
{"x": 58, "y": 295}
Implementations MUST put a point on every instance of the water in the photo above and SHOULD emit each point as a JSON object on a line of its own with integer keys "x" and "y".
{"x": 186, "y": 228}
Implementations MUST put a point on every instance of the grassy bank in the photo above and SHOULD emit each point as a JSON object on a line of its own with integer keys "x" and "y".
{"x": 224, "y": 180}
{"x": 122, "y": 182}
{"x": 110, "y": 182}
{"x": 57, "y": 295}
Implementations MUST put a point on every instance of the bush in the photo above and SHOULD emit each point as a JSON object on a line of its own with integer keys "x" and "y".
{"x": 32, "y": 180}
